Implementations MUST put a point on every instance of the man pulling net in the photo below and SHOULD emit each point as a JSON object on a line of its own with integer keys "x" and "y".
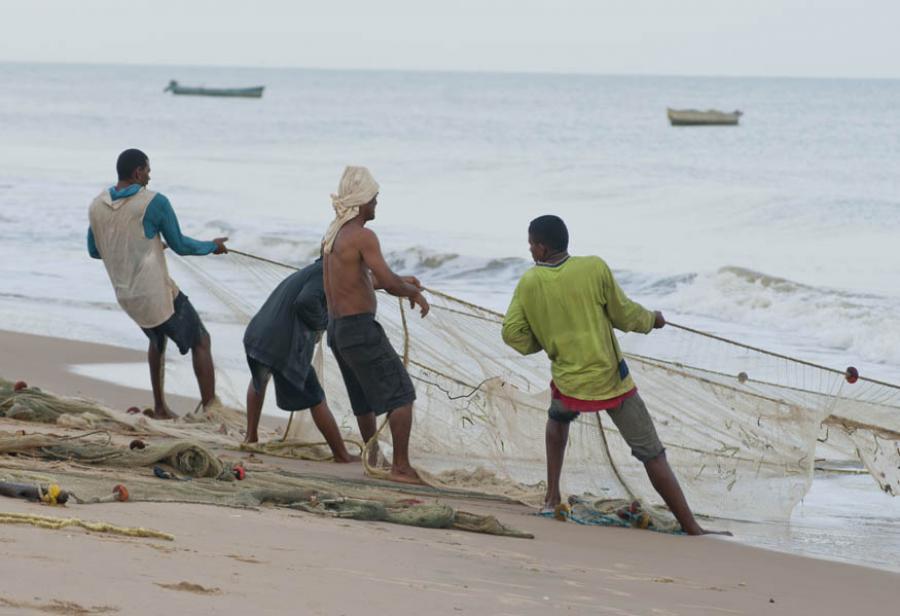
{"x": 376, "y": 380}
{"x": 567, "y": 306}
{"x": 126, "y": 222}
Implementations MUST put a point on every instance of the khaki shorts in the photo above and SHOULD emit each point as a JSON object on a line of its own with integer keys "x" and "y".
{"x": 632, "y": 420}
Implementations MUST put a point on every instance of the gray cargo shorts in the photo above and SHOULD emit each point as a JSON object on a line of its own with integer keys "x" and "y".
{"x": 632, "y": 420}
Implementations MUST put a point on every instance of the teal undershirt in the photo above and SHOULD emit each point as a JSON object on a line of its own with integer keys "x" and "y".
{"x": 159, "y": 218}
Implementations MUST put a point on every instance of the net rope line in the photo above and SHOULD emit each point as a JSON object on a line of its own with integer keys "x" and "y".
{"x": 499, "y": 318}
{"x": 832, "y": 419}
{"x": 777, "y": 355}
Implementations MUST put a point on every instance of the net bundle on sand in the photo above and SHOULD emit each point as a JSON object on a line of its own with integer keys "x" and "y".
{"x": 87, "y": 465}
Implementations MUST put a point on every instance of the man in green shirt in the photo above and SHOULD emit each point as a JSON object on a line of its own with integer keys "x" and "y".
{"x": 567, "y": 306}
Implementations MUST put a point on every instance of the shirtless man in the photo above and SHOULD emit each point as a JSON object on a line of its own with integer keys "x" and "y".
{"x": 376, "y": 380}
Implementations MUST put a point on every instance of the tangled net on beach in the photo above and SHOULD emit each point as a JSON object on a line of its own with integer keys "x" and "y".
{"x": 86, "y": 464}
{"x": 185, "y": 457}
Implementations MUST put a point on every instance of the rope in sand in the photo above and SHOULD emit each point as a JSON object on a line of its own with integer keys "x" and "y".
{"x": 43, "y": 521}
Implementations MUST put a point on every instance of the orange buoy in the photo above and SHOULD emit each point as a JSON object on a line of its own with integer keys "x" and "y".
{"x": 20, "y": 385}
{"x": 133, "y": 410}
{"x": 121, "y": 493}
{"x": 851, "y": 374}
{"x": 239, "y": 472}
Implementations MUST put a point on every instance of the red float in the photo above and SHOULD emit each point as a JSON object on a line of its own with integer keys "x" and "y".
{"x": 121, "y": 493}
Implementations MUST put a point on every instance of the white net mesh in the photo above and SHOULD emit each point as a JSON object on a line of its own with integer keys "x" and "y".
{"x": 741, "y": 426}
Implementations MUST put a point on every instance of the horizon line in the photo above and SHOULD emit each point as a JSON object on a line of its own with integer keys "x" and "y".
{"x": 566, "y": 73}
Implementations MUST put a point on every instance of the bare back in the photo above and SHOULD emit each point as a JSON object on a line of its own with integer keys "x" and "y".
{"x": 348, "y": 285}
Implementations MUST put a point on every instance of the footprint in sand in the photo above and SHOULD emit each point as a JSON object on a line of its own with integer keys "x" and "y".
{"x": 245, "y": 559}
{"x": 189, "y": 587}
{"x": 57, "y": 606}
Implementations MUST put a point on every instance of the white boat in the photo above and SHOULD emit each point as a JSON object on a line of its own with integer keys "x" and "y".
{"x": 694, "y": 117}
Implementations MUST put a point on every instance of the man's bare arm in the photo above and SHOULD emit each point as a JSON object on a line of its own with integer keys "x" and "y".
{"x": 382, "y": 275}
{"x": 408, "y": 279}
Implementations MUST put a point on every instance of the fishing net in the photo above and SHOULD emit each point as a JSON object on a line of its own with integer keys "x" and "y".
{"x": 50, "y": 460}
{"x": 741, "y": 425}
{"x": 35, "y": 461}
{"x": 185, "y": 457}
{"x": 615, "y": 512}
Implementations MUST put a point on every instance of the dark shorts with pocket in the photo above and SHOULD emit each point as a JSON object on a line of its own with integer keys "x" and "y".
{"x": 289, "y": 396}
{"x": 632, "y": 420}
{"x": 184, "y": 328}
{"x": 374, "y": 374}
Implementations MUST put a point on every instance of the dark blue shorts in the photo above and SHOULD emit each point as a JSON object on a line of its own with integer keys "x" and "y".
{"x": 184, "y": 328}
{"x": 289, "y": 396}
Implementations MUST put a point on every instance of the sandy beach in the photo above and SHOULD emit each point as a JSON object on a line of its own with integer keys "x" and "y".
{"x": 275, "y": 561}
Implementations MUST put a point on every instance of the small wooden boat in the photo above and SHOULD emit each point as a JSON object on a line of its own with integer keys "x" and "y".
{"x": 693, "y": 117}
{"x": 255, "y": 92}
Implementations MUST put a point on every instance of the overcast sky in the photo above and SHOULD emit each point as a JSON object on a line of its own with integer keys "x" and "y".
{"x": 828, "y": 38}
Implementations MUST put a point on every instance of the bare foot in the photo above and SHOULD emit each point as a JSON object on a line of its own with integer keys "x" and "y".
{"x": 251, "y": 439}
{"x": 160, "y": 413}
{"x": 404, "y": 475}
{"x": 552, "y": 502}
{"x": 347, "y": 459}
{"x": 723, "y": 533}
{"x": 698, "y": 531}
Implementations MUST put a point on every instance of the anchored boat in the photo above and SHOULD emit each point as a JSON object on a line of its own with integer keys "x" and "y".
{"x": 693, "y": 117}
{"x": 254, "y": 92}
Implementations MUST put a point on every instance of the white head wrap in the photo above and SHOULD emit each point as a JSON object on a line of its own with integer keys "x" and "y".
{"x": 357, "y": 188}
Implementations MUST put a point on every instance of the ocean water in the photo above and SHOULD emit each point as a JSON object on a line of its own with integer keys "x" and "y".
{"x": 780, "y": 232}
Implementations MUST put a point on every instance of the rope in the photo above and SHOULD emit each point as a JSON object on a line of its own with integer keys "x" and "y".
{"x": 773, "y": 354}
{"x": 273, "y": 447}
{"x": 405, "y": 333}
{"x": 370, "y": 470}
{"x": 669, "y": 323}
{"x": 288, "y": 429}
{"x": 43, "y": 521}
{"x": 609, "y": 457}
{"x": 263, "y": 259}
